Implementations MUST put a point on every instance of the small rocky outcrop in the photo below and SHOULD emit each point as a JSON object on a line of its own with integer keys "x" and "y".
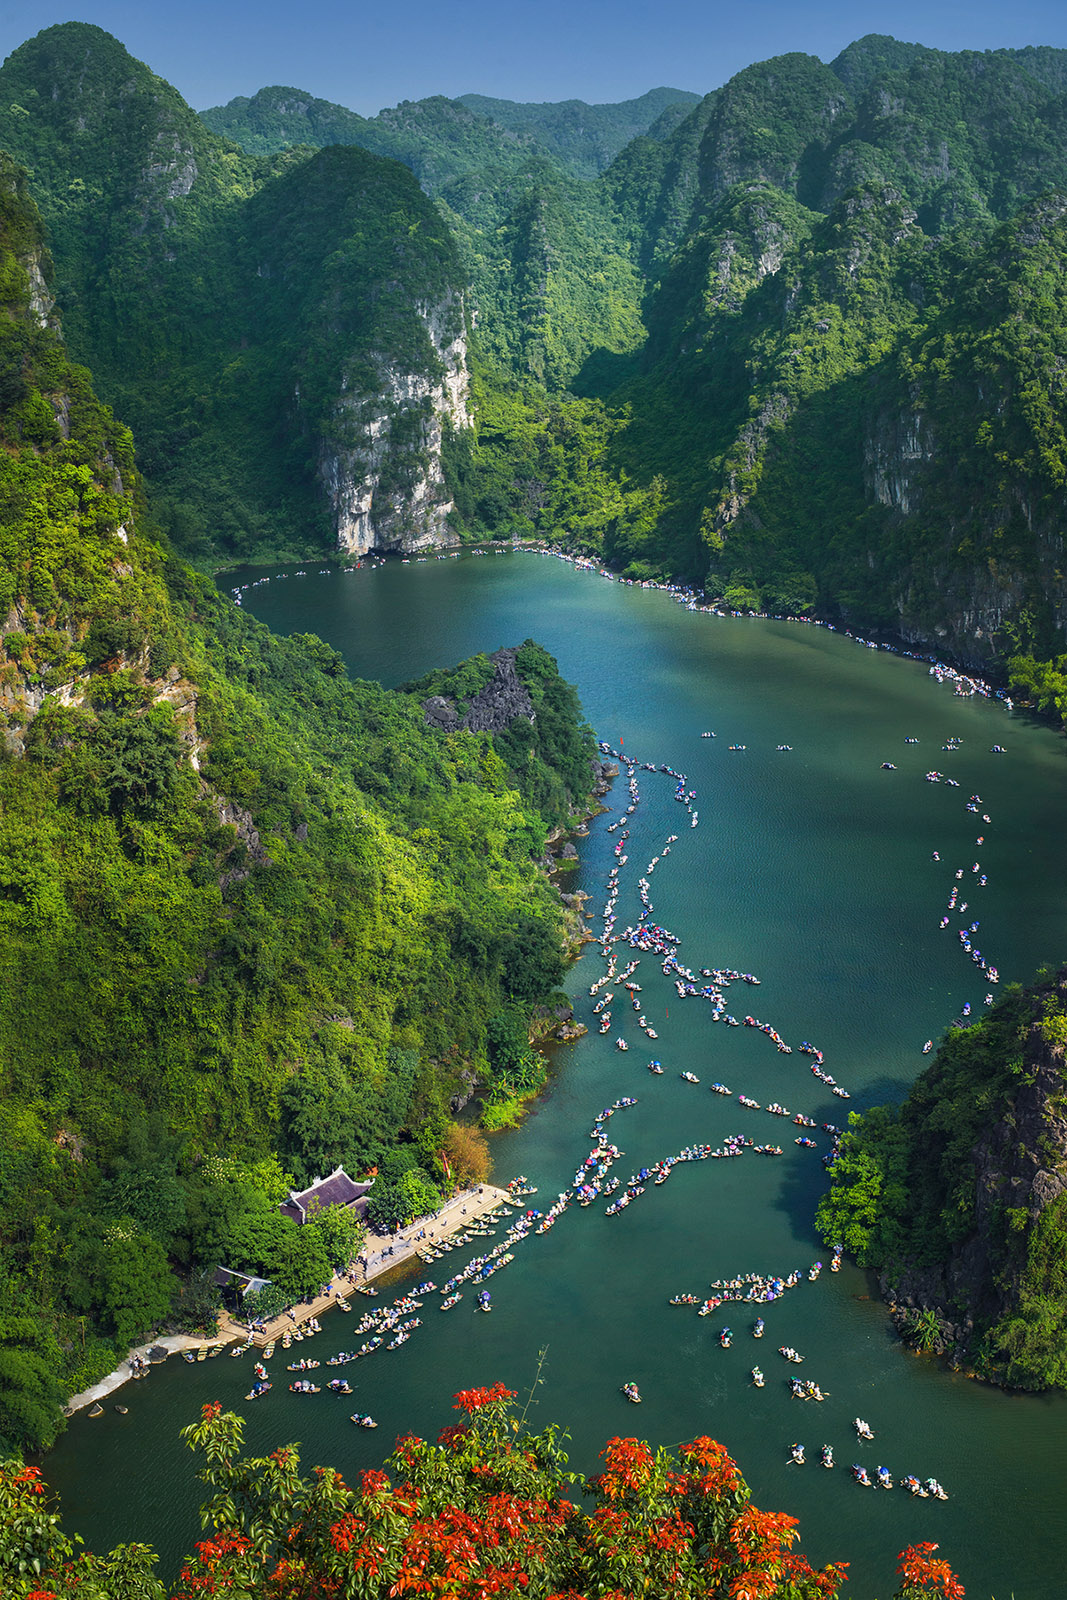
{"x": 603, "y": 773}
{"x": 251, "y": 852}
{"x": 493, "y": 709}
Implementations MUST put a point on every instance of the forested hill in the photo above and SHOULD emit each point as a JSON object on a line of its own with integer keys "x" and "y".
{"x": 958, "y": 1197}
{"x": 802, "y": 343}
{"x": 441, "y": 139}
{"x": 286, "y": 336}
{"x": 255, "y": 919}
{"x": 817, "y": 326}
{"x": 835, "y": 400}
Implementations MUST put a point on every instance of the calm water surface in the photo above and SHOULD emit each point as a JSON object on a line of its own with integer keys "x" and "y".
{"x": 810, "y": 868}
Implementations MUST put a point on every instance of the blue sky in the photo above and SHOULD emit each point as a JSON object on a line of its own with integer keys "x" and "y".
{"x": 371, "y": 55}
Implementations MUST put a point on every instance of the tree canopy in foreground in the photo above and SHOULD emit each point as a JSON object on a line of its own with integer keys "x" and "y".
{"x": 487, "y": 1510}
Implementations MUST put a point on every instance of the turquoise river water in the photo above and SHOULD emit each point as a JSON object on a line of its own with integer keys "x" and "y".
{"x": 811, "y": 868}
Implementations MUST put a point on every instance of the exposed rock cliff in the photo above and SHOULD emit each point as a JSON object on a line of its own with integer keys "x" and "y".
{"x": 493, "y": 709}
{"x": 286, "y": 336}
{"x": 381, "y": 451}
{"x": 996, "y": 1272}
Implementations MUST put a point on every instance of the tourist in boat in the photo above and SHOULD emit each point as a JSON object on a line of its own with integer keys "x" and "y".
{"x": 827, "y": 1456}
{"x": 630, "y": 1390}
{"x": 758, "y": 1378}
{"x": 796, "y": 1453}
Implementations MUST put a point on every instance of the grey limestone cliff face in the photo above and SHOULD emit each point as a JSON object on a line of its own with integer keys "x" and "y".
{"x": 492, "y": 709}
{"x": 971, "y": 587}
{"x": 897, "y": 448}
{"x": 380, "y": 461}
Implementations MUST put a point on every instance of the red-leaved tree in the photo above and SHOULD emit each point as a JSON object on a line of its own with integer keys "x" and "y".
{"x": 488, "y": 1510}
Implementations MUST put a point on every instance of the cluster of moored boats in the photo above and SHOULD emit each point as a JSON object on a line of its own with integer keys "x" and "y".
{"x": 390, "y": 1326}
{"x": 956, "y": 906}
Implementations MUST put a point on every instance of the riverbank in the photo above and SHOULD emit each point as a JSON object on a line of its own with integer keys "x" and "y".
{"x": 389, "y": 1252}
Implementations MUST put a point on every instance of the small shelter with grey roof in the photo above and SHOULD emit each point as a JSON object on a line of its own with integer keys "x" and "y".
{"x": 236, "y": 1285}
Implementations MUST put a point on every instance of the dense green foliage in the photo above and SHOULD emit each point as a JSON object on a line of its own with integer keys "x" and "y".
{"x": 801, "y": 343}
{"x": 548, "y": 761}
{"x": 850, "y": 391}
{"x": 225, "y": 303}
{"x": 946, "y": 1195}
{"x": 585, "y": 139}
{"x": 246, "y": 905}
{"x": 490, "y": 1509}
{"x": 441, "y": 140}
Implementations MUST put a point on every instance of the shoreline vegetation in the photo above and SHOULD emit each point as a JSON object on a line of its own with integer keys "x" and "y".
{"x": 261, "y": 920}
{"x": 386, "y": 1255}
{"x": 956, "y": 1199}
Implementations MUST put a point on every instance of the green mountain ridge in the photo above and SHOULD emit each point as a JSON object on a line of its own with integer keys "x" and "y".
{"x": 442, "y": 139}
{"x": 439, "y": 139}
{"x": 743, "y": 354}
{"x": 586, "y": 138}
{"x": 282, "y": 345}
{"x": 257, "y": 919}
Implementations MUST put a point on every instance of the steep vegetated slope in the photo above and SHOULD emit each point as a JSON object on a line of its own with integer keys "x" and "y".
{"x": 286, "y": 336}
{"x": 959, "y": 1196}
{"x": 255, "y": 919}
{"x": 439, "y": 139}
{"x": 586, "y": 138}
{"x": 550, "y": 278}
{"x": 850, "y": 393}
{"x": 800, "y": 343}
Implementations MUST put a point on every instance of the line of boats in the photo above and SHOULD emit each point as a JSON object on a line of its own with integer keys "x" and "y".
{"x": 646, "y": 937}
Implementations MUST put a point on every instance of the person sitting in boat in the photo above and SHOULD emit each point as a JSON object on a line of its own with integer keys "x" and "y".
{"x": 796, "y": 1452}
